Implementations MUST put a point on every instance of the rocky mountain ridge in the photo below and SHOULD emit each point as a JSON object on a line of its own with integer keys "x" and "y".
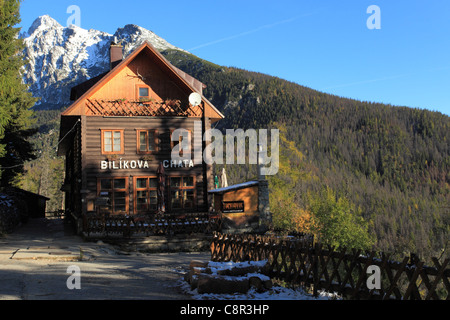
{"x": 61, "y": 57}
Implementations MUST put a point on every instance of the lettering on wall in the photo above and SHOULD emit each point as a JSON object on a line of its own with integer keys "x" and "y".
{"x": 233, "y": 206}
{"x": 143, "y": 164}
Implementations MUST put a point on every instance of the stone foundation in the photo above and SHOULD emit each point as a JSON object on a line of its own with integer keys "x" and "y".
{"x": 265, "y": 217}
{"x": 155, "y": 244}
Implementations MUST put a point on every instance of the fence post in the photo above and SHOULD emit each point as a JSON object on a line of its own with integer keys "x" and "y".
{"x": 412, "y": 292}
{"x": 316, "y": 252}
{"x": 362, "y": 277}
{"x": 85, "y": 225}
{"x": 212, "y": 245}
{"x": 127, "y": 230}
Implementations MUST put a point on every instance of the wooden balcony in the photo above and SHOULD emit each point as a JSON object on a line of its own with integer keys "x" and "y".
{"x": 126, "y": 108}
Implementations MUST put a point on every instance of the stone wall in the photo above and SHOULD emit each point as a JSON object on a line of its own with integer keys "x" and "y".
{"x": 265, "y": 217}
{"x": 155, "y": 244}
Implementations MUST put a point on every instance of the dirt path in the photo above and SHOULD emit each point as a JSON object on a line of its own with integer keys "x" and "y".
{"x": 34, "y": 264}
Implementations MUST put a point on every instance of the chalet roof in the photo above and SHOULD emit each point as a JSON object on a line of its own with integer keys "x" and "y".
{"x": 14, "y": 190}
{"x": 84, "y": 106}
{"x": 234, "y": 187}
{"x": 86, "y": 89}
{"x": 83, "y": 87}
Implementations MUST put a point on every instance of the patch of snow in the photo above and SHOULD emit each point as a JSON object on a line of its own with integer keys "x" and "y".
{"x": 6, "y": 201}
{"x": 236, "y": 186}
{"x": 276, "y": 293}
{"x": 258, "y": 275}
{"x": 216, "y": 266}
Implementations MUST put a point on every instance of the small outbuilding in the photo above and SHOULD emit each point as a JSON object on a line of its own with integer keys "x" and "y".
{"x": 35, "y": 203}
{"x": 244, "y": 207}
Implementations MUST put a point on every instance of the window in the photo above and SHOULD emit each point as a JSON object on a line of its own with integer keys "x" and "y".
{"x": 112, "y": 142}
{"x": 146, "y": 194}
{"x": 184, "y": 142}
{"x": 116, "y": 189}
{"x": 147, "y": 141}
{"x": 143, "y": 93}
{"x": 182, "y": 192}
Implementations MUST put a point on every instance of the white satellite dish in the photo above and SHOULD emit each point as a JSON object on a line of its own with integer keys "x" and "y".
{"x": 195, "y": 99}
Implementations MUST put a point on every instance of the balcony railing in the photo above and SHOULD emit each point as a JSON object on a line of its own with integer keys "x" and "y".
{"x": 126, "y": 108}
{"x": 167, "y": 224}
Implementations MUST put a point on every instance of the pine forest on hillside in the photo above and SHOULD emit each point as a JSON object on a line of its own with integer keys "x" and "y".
{"x": 379, "y": 173}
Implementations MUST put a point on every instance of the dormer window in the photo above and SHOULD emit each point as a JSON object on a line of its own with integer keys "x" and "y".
{"x": 143, "y": 93}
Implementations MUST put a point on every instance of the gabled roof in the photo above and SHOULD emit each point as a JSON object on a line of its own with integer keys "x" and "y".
{"x": 14, "y": 190}
{"x": 191, "y": 84}
{"x": 83, "y": 87}
{"x": 234, "y": 187}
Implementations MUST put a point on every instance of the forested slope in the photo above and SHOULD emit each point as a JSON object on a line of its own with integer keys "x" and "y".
{"x": 391, "y": 163}
{"x": 388, "y": 165}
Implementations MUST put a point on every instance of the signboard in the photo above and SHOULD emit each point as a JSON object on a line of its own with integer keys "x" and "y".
{"x": 233, "y": 206}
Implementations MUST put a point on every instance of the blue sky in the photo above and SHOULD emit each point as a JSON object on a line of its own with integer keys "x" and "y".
{"x": 323, "y": 44}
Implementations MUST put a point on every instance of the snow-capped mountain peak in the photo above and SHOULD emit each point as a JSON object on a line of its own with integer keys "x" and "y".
{"x": 61, "y": 57}
{"x": 43, "y": 22}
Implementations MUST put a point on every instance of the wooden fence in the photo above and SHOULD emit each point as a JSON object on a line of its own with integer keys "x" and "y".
{"x": 167, "y": 224}
{"x": 58, "y": 214}
{"x": 300, "y": 262}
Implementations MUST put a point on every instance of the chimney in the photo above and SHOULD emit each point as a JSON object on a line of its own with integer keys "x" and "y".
{"x": 115, "y": 53}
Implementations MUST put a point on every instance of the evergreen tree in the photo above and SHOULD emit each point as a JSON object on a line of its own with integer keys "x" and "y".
{"x": 15, "y": 100}
{"x": 392, "y": 164}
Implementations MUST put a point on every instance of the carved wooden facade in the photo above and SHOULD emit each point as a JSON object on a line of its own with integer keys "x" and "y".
{"x": 119, "y": 130}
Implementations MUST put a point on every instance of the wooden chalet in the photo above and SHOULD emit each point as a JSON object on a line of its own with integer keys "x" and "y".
{"x": 119, "y": 131}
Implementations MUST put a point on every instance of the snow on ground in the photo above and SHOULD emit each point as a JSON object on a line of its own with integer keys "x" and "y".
{"x": 5, "y": 201}
{"x": 276, "y": 293}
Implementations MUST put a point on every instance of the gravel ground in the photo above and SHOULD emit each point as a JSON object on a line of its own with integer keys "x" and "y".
{"x": 36, "y": 262}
